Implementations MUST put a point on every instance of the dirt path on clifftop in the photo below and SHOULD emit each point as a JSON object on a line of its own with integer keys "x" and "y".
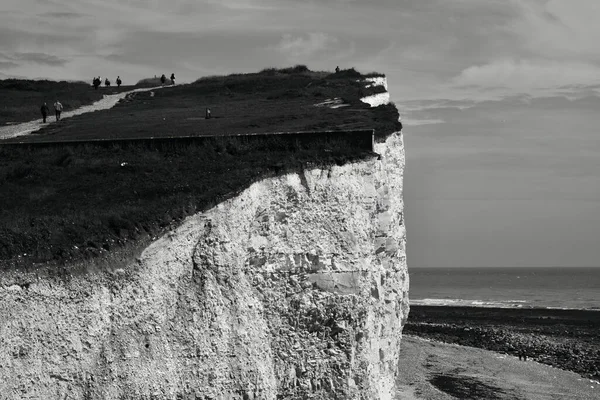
{"x": 25, "y": 128}
{"x": 438, "y": 371}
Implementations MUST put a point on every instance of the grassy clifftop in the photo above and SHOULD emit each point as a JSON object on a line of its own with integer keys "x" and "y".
{"x": 20, "y": 100}
{"x": 268, "y": 101}
{"x": 63, "y": 204}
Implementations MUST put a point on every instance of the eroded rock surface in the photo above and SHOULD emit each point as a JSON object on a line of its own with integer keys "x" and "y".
{"x": 297, "y": 288}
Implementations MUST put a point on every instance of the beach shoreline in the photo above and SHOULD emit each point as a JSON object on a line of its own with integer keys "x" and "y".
{"x": 432, "y": 370}
{"x": 565, "y": 339}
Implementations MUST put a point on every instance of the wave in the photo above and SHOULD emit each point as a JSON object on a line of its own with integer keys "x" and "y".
{"x": 490, "y": 304}
{"x": 469, "y": 303}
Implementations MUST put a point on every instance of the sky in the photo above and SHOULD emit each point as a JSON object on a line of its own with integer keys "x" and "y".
{"x": 499, "y": 98}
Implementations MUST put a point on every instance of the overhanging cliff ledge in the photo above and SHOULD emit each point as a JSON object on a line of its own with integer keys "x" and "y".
{"x": 293, "y": 285}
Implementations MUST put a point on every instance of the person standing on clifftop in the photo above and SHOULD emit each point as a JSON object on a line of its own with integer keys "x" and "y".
{"x": 45, "y": 110}
{"x": 58, "y": 109}
{"x": 119, "y": 81}
{"x": 172, "y": 79}
{"x": 163, "y": 79}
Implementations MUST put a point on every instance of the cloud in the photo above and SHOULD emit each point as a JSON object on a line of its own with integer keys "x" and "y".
{"x": 299, "y": 46}
{"x": 430, "y": 49}
{"x": 40, "y": 58}
{"x": 61, "y": 15}
{"x": 16, "y": 60}
{"x": 243, "y": 5}
{"x": 11, "y": 76}
{"x": 8, "y": 64}
{"x": 558, "y": 29}
{"x": 527, "y": 75}
{"x": 417, "y": 122}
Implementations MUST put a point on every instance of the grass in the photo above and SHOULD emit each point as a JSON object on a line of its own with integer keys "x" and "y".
{"x": 63, "y": 204}
{"x": 152, "y": 82}
{"x": 240, "y": 103}
{"x": 20, "y": 100}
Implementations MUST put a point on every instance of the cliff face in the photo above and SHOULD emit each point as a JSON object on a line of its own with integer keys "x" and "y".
{"x": 296, "y": 287}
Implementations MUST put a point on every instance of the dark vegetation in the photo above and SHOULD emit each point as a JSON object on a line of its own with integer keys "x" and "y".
{"x": 150, "y": 82}
{"x": 240, "y": 103}
{"x": 63, "y": 204}
{"x": 20, "y": 100}
{"x": 566, "y": 339}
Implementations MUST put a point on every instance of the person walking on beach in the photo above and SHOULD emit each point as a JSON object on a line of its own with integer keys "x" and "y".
{"x": 522, "y": 355}
{"x": 45, "y": 110}
{"x": 172, "y": 78}
{"x": 119, "y": 81}
{"x": 163, "y": 79}
{"x": 58, "y": 109}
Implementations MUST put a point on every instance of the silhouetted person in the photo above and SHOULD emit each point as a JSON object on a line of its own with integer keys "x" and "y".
{"x": 522, "y": 355}
{"x": 208, "y": 116}
{"x": 58, "y": 109}
{"x": 119, "y": 81}
{"x": 45, "y": 110}
{"x": 172, "y": 79}
{"x": 106, "y": 82}
{"x": 337, "y": 69}
{"x": 97, "y": 83}
{"x": 163, "y": 79}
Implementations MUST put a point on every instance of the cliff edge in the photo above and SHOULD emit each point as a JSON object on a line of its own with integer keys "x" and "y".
{"x": 296, "y": 288}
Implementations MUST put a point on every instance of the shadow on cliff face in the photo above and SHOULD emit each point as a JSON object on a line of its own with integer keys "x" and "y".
{"x": 469, "y": 388}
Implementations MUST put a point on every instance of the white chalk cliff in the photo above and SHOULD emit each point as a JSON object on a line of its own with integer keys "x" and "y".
{"x": 379, "y": 98}
{"x": 296, "y": 288}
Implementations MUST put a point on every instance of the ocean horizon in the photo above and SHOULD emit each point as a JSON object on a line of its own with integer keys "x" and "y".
{"x": 508, "y": 287}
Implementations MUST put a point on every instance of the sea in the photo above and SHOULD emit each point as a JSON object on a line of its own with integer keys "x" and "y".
{"x": 559, "y": 288}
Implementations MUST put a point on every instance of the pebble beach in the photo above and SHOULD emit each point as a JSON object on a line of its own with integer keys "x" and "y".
{"x": 563, "y": 340}
{"x": 431, "y": 370}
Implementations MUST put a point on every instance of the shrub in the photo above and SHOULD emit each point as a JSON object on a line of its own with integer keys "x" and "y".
{"x": 65, "y": 159}
{"x": 149, "y": 82}
{"x": 268, "y": 71}
{"x": 297, "y": 69}
{"x": 345, "y": 74}
{"x": 19, "y": 172}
